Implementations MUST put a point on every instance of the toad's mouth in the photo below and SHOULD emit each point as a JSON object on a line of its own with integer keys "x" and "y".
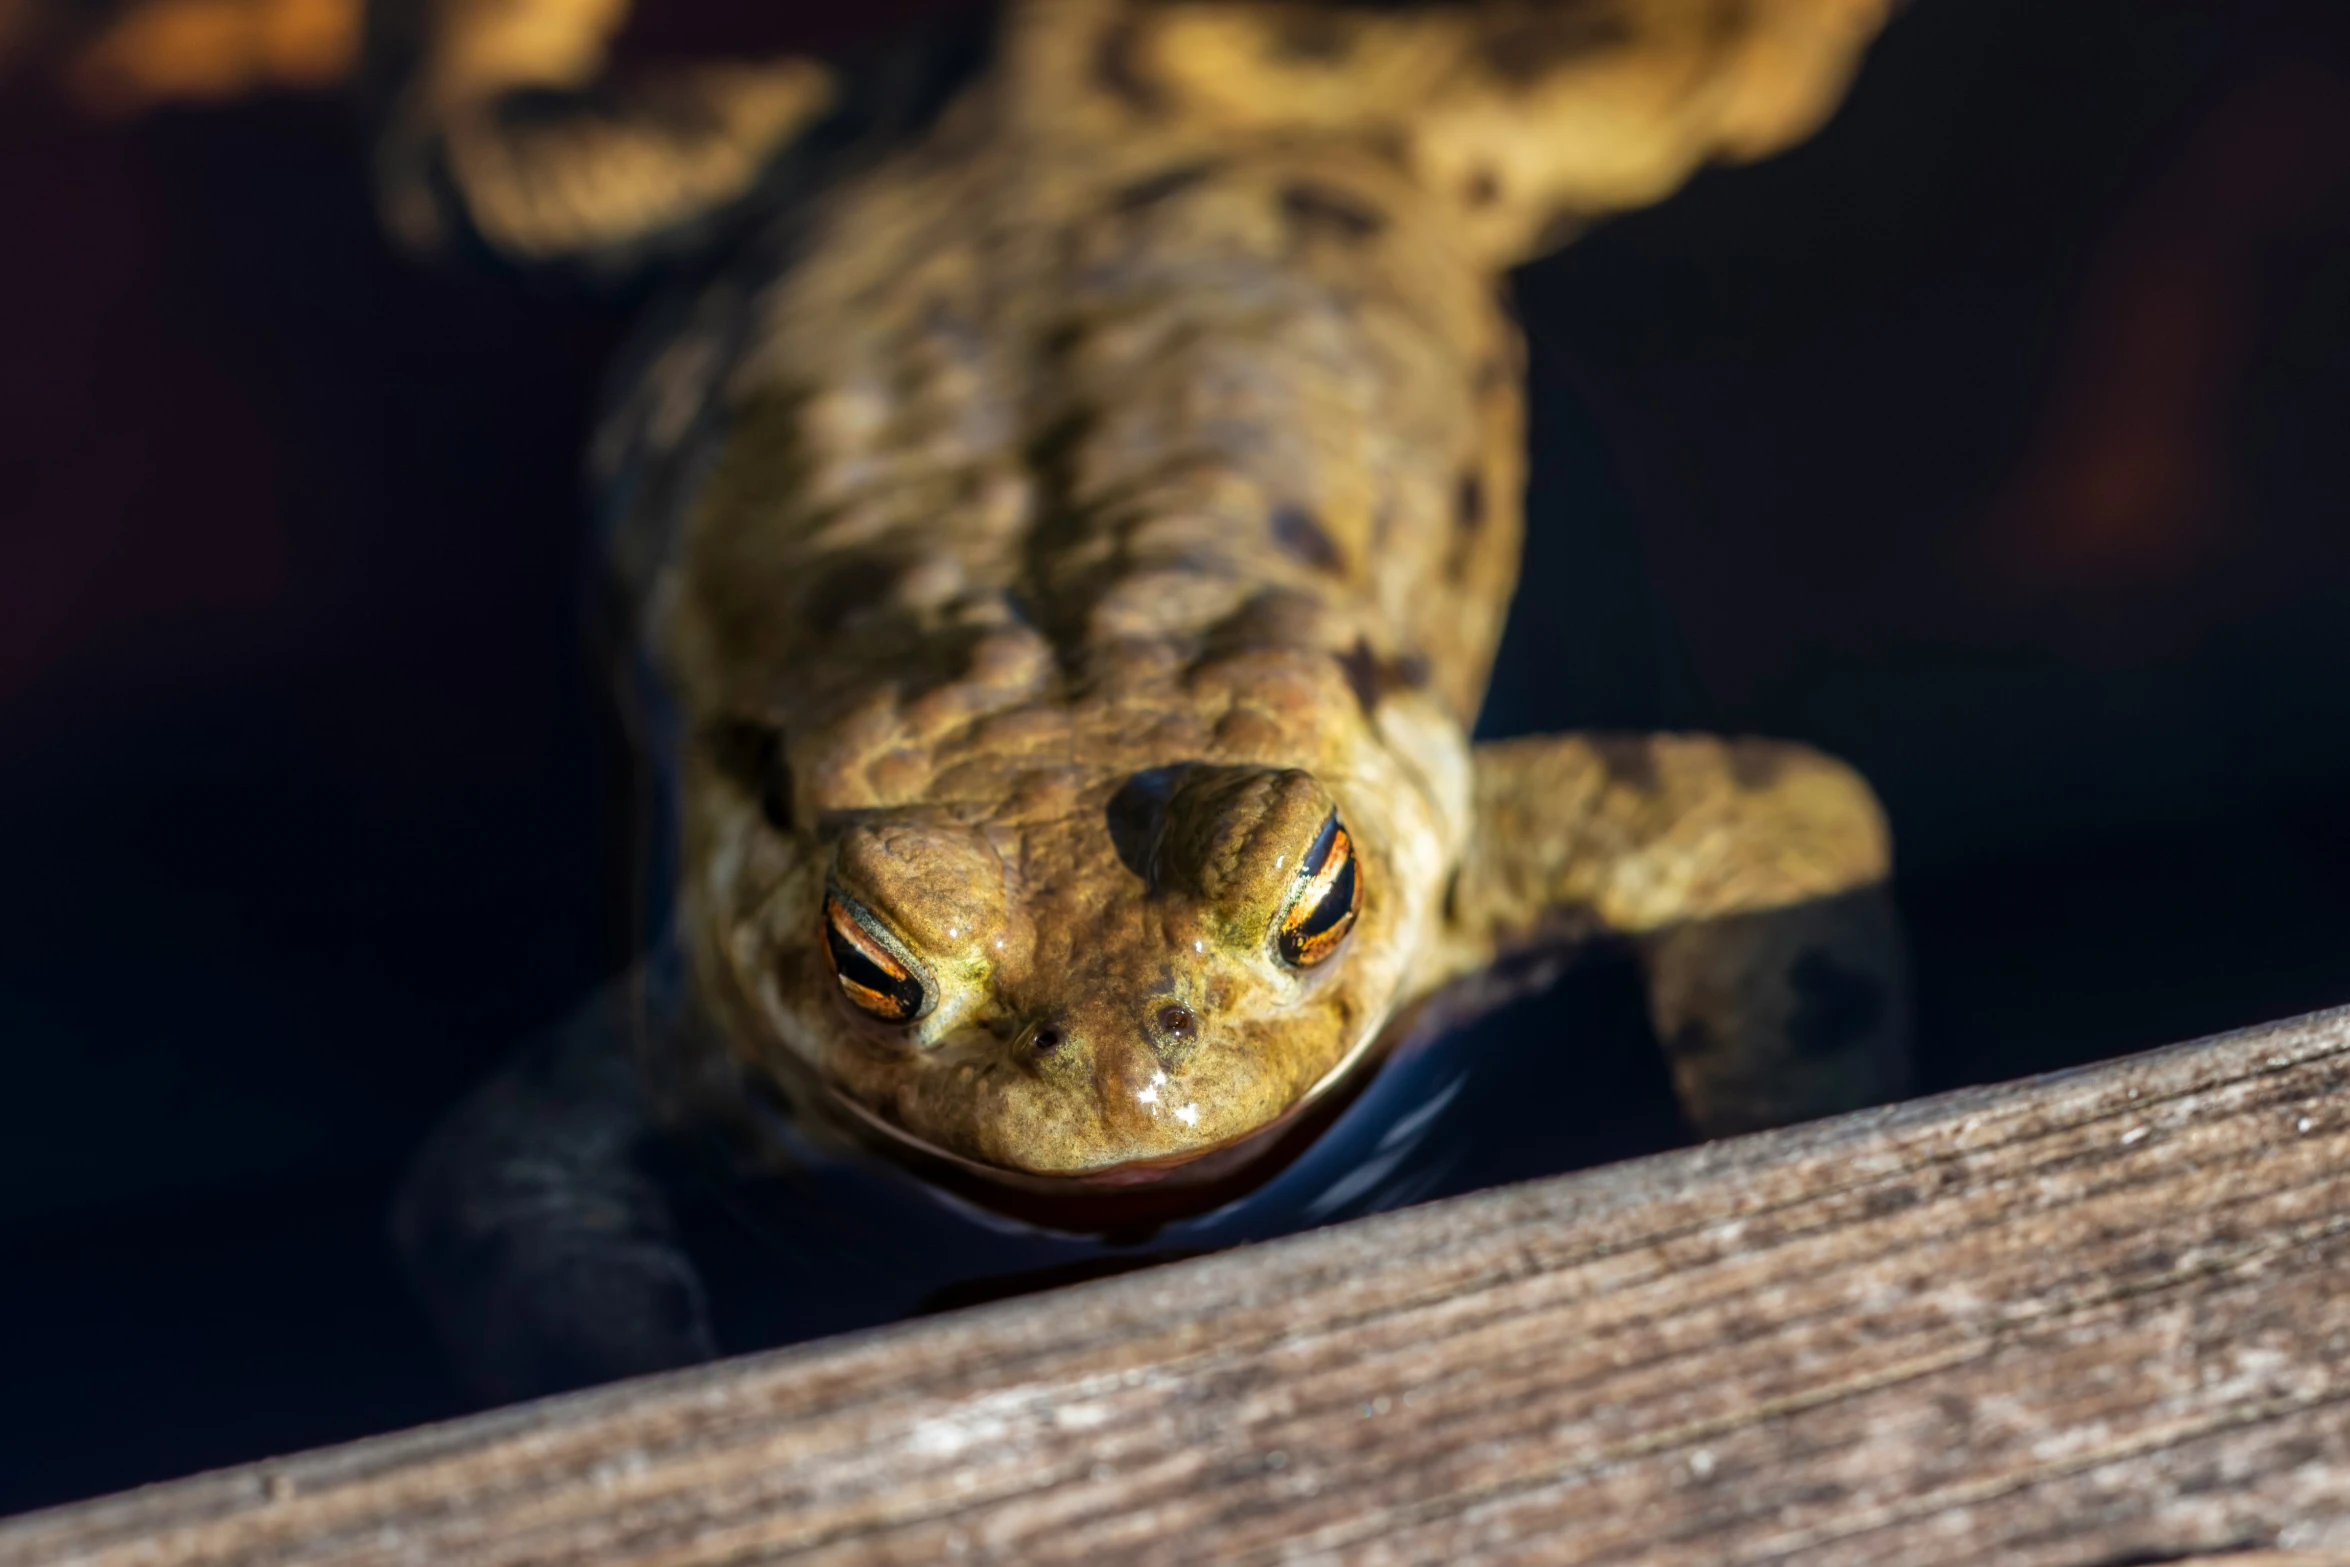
{"x": 1213, "y": 1164}
{"x": 1207, "y": 1163}
{"x": 1131, "y": 1198}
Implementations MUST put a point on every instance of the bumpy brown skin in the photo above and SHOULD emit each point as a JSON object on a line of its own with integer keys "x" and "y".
{"x": 1154, "y": 417}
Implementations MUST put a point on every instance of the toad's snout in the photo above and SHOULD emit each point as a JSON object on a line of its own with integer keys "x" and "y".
{"x": 1129, "y": 1059}
{"x": 1160, "y": 1034}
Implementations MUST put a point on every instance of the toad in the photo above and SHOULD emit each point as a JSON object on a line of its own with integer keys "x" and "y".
{"x": 1065, "y": 532}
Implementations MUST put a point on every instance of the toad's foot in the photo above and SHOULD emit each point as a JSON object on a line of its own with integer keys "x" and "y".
{"x": 1785, "y": 1014}
{"x": 1750, "y": 877}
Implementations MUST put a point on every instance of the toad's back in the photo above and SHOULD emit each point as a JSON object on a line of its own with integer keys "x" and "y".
{"x": 1046, "y": 417}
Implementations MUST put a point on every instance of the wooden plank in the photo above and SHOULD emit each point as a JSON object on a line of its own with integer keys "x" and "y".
{"x": 2097, "y": 1317}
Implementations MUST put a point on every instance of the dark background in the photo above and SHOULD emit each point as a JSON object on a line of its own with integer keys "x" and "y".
{"x": 1995, "y": 440}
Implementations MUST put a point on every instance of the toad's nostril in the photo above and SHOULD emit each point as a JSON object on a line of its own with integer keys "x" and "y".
{"x": 1176, "y": 1021}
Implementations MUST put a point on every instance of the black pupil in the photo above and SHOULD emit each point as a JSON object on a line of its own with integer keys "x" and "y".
{"x": 905, "y": 994}
{"x": 1334, "y": 904}
{"x": 1340, "y": 897}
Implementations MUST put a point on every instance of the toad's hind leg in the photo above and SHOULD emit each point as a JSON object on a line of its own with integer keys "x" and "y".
{"x": 510, "y": 129}
{"x": 1531, "y": 117}
{"x": 1750, "y": 877}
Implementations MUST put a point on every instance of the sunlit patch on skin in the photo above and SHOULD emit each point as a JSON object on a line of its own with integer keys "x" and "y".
{"x": 874, "y": 979}
{"x": 1326, "y": 907}
{"x": 1187, "y": 1113}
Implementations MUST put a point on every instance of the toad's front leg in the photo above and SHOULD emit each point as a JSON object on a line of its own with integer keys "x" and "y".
{"x": 1750, "y": 876}
{"x": 534, "y": 1233}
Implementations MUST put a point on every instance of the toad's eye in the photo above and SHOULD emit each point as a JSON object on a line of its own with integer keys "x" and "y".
{"x": 879, "y": 981}
{"x": 1326, "y": 903}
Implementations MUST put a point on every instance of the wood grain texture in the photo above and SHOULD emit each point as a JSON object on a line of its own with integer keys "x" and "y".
{"x": 2102, "y": 1317}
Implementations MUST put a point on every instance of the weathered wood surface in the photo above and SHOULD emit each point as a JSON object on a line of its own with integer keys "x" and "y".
{"x": 2102, "y": 1317}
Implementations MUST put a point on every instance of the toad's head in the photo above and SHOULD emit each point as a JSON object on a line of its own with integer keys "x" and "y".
{"x": 1099, "y": 975}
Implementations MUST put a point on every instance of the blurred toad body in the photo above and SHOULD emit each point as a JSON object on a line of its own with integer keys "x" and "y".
{"x": 1066, "y": 546}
